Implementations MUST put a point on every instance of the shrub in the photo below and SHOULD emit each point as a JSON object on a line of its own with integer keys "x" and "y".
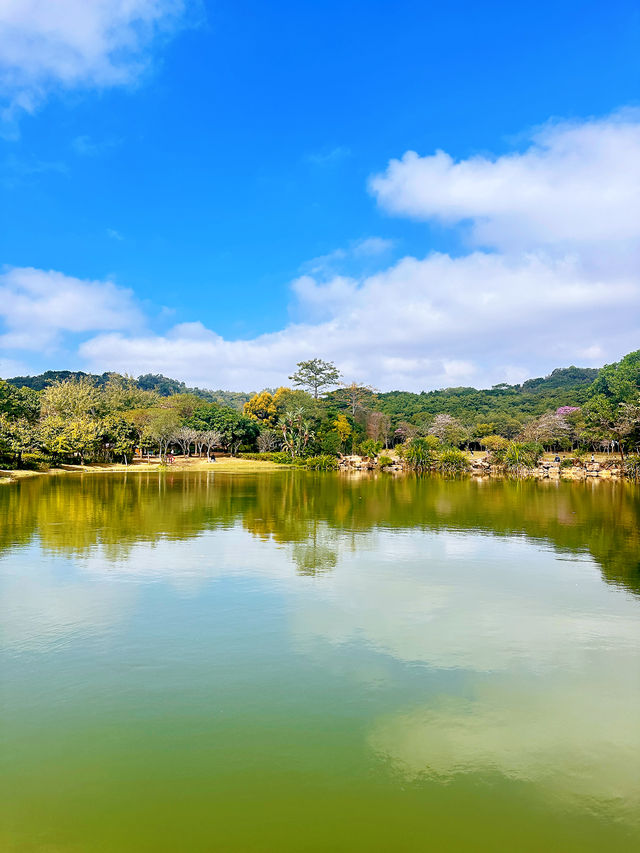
{"x": 36, "y": 461}
{"x": 452, "y": 461}
{"x": 401, "y": 450}
{"x": 322, "y": 463}
{"x": 370, "y": 448}
{"x": 383, "y": 461}
{"x": 567, "y": 463}
{"x": 278, "y": 456}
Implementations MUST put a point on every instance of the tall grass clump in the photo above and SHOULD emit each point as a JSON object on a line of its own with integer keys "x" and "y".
{"x": 419, "y": 454}
{"x": 451, "y": 460}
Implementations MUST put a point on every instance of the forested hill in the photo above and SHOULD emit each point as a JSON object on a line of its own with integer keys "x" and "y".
{"x": 566, "y": 386}
{"x": 162, "y": 385}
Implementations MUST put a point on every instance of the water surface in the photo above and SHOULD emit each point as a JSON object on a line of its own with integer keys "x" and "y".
{"x": 294, "y": 661}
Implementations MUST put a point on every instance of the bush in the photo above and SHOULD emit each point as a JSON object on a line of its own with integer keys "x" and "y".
{"x": 322, "y": 463}
{"x": 383, "y": 461}
{"x": 279, "y": 457}
{"x": 567, "y": 463}
{"x": 36, "y": 461}
{"x": 452, "y": 461}
{"x": 370, "y": 448}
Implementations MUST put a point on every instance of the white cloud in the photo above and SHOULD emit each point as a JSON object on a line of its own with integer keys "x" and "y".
{"x": 576, "y": 183}
{"x": 372, "y": 246}
{"x": 330, "y": 156}
{"x": 575, "y": 740}
{"x": 38, "y": 306}
{"x": 420, "y": 324}
{"x": 560, "y": 287}
{"x": 85, "y": 146}
{"x": 75, "y": 43}
{"x": 440, "y": 612}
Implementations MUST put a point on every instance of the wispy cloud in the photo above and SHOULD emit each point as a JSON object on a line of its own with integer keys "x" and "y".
{"x": 114, "y": 235}
{"x": 16, "y": 171}
{"x": 372, "y": 246}
{"x": 86, "y": 146}
{"x": 72, "y": 44}
{"x": 329, "y": 156}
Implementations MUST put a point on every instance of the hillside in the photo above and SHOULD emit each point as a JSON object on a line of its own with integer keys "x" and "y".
{"x": 563, "y": 387}
{"x": 163, "y": 385}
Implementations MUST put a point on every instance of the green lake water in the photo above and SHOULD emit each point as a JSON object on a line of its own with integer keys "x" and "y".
{"x": 309, "y": 662}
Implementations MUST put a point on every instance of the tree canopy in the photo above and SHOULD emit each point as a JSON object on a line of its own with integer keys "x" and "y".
{"x": 316, "y": 375}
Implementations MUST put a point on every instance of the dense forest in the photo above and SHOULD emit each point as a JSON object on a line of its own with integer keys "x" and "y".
{"x": 74, "y": 416}
{"x": 162, "y": 385}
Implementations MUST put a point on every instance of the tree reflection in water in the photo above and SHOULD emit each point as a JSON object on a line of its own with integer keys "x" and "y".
{"x": 311, "y": 512}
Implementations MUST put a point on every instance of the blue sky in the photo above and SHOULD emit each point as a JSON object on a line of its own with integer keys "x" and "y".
{"x": 201, "y": 175}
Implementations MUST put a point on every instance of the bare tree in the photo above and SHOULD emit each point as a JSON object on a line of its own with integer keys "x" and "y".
{"x": 356, "y": 395}
{"x": 379, "y": 427}
{"x": 185, "y": 437}
{"x": 268, "y": 441}
{"x": 211, "y": 438}
{"x": 549, "y": 429}
{"x": 449, "y": 430}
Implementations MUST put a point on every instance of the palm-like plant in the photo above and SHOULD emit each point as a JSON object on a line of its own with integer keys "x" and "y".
{"x": 296, "y": 432}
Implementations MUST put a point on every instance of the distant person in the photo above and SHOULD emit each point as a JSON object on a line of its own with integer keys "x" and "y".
{"x": 593, "y": 458}
{"x": 557, "y": 459}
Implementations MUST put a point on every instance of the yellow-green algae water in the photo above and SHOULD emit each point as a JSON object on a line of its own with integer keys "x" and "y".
{"x": 300, "y": 662}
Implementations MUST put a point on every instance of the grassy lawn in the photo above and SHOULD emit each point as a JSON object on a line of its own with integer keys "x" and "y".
{"x": 223, "y": 464}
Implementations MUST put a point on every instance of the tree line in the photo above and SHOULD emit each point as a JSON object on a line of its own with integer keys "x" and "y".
{"x": 63, "y": 416}
{"x": 76, "y": 419}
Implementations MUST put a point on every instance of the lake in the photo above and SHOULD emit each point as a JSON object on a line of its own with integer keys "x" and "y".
{"x": 315, "y": 662}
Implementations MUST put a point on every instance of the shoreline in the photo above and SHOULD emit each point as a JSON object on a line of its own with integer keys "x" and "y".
{"x": 237, "y": 465}
{"x": 224, "y": 465}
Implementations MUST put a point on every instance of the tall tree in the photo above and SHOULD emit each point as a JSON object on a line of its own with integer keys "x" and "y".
{"x": 235, "y": 429}
{"x": 160, "y": 429}
{"x": 356, "y": 396}
{"x": 316, "y": 375}
{"x": 19, "y": 402}
{"x": 343, "y": 428}
{"x": 72, "y": 398}
{"x": 604, "y": 420}
{"x": 379, "y": 427}
{"x": 261, "y": 408}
